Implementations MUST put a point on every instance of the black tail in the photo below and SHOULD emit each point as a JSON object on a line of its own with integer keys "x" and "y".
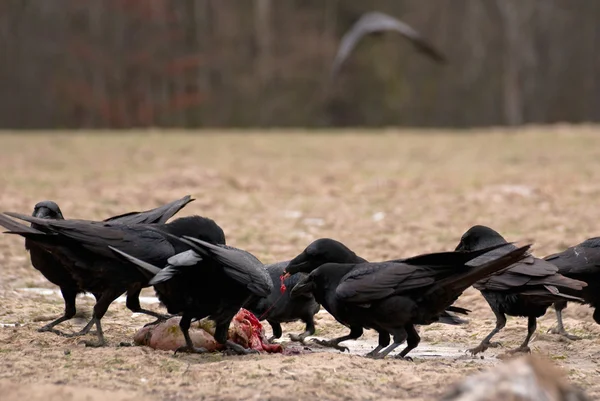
{"x": 458, "y": 283}
{"x": 158, "y": 215}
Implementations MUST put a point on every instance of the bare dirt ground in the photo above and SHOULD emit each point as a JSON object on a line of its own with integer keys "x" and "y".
{"x": 386, "y": 194}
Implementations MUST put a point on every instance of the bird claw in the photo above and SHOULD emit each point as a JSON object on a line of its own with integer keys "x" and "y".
{"x": 405, "y": 358}
{"x": 300, "y": 338}
{"x": 524, "y": 350}
{"x": 271, "y": 339}
{"x": 329, "y": 343}
{"x": 190, "y": 350}
{"x": 563, "y": 332}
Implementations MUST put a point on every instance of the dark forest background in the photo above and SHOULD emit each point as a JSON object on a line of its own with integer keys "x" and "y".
{"x": 258, "y": 63}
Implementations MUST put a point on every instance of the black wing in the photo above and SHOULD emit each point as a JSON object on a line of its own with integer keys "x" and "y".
{"x": 582, "y": 259}
{"x": 376, "y": 22}
{"x": 240, "y": 265}
{"x": 369, "y": 282}
{"x": 148, "y": 244}
{"x": 157, "y": 215}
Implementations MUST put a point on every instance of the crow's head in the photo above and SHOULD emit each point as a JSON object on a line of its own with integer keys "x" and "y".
{"x": 478, "y": 238}
{"x": 318, "y": 253}
{"x": 47, "y": 210}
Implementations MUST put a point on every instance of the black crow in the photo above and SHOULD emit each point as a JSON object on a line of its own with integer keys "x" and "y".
{"x": 53, "y": 270}
{"x": 393, "y": 297}
{"x": 207, "y": 280}
{"x": 82, "y": 248}
{"x": 278, "y": 307}
{"x": 327, "y": 250}
{"x": 526, "y": 288}
{"x": 373, "y": 22}
{"x": 580, "y": 262}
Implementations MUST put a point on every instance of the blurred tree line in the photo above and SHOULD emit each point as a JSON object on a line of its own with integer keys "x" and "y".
{"x": 188, "y": 63}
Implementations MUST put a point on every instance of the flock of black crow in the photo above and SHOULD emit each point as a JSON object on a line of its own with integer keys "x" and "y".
{"x": 196, "y": 275}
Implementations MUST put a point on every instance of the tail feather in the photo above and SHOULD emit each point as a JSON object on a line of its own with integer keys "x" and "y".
{"x": 449, "y": 318}
{"x": 15, "y": 227}
{"x": 458, "y": 283}
{"x": 157, "y": 215}
{"x": 145, "y": 267}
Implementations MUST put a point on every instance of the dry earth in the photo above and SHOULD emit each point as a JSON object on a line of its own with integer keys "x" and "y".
{"x": 385, "y": 194}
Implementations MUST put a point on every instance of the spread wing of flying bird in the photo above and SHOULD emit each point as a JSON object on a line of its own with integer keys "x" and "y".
{"x": 378, "y": 22}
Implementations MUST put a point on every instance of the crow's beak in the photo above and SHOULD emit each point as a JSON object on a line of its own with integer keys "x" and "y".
{"x": 286, "y": 275}
{"x": 42, "y": 213}
{"x": 305, "y": 286}
{"x": 460, "y": 247}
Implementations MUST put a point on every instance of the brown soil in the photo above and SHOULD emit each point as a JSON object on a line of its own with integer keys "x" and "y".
{"x": 384, "y": 194}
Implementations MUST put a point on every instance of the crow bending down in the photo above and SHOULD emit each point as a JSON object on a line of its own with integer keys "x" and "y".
{"x": 280, "y": 307}
{"x": 82, "y": 249}
{"x": 53, "y": 270}
{"x": 526, "y": 288}
{"x": 393, "y": 297}
{"x": 207, "y": 280}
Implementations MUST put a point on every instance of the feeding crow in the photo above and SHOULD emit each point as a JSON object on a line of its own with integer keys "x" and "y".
{"x": 207, "y": 280}
{"x": 278, "y": 307}
{"x": 327, "y": 250}
{"x": 373, "y": 22}
{"x": 580, "y": 262}
{"x": 53, "y": 270}
{"x": 393, "y": 297}
{"x": 82, "y": 248}
{"x": 526, "y": 288}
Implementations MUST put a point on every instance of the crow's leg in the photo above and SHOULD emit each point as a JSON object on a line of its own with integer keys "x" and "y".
{"x": 69, "y": 295}
{"x": 100, "y": 309}
{"x": 308, "y": 331}
{"x": 412, "y": 342}
{"x": 133, "y": 304}
{"x": 399, "y": 338}
{"x": 184, "y": 325}
{"x": 277, "y": 332}
{"x": 560, "y": 329}
{"x": 355, "y": 332}
{"x": 531, "y": 326}
{"x": 384, "y": 341}
{"x": 485, "y": 344}
{"x": 230, "y": 347}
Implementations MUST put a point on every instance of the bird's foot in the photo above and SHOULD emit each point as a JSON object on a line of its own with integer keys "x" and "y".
{"x": 563, "y": 332}
{"x": 330, "y": 344}
{"x": 404, "y": 358}
{"x": 300, "y": 338}
{"x": 483, "y": 347}
{"x": 271, "y": 339}
{"x": 374, "y": 355}
{"x": 521, "y": 349}
{"x": 236, "y": 349}
{"x": 191, "y": 350}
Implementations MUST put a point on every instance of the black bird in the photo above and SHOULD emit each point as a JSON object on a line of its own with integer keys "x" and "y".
{"x": 279, "y": 307}
{"x": 207, "y": 280}
{"x": 326, "y": 250}
{"x": 53, "y": 270}
{"x": 526, "y": 288}
{"x": 82, "y": 248}
{"x": 373, "y": 22}
{"x": 393, "y": 297}
{"x": 580, "y": 262}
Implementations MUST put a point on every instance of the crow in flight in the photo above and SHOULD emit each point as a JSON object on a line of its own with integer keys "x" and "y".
{"x": 580, "y": 262}
{"x": 374, "y": 21}
{"x": 207, "y": 280}
{"x": 82, "y": 247}
{"x": 53, "y": 270}
{"x": 392, "y": 297}
{"x": 526, "y": 288}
